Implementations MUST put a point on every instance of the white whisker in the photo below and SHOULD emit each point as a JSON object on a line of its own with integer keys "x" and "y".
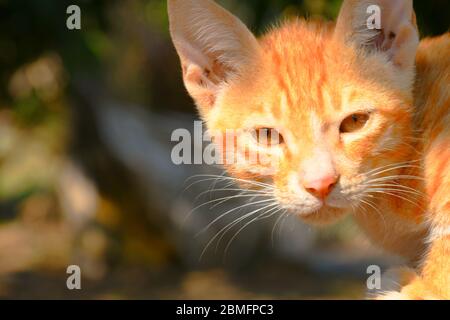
{"x": 230, "y": 211}
{"x": 259, "y": 217}
{"x": 232, "y": 224}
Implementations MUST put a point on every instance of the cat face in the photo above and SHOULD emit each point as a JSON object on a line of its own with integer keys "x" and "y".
{"x": 336, "y": 107}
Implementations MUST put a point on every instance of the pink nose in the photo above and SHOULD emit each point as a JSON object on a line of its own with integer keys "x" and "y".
{"x": 322, "y": 186}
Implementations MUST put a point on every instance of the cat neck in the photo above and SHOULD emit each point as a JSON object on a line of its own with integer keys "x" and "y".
{"x": 396, "y": 220}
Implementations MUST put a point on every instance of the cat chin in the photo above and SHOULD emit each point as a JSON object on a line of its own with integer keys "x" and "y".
{"x": 337, "y": 204}
{"x": 325, "y": 216}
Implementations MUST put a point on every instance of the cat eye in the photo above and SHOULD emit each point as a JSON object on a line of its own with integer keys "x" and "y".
{"x": 354, "y": 122}
{"x": 267, "y": 137}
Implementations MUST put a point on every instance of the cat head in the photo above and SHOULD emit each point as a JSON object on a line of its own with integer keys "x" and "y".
{"x": 338, "y": 99}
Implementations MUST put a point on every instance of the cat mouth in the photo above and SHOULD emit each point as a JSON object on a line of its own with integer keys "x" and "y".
{"x": 302, "y": 211}
{"x": 319, "y": 209}
{"x": 325, "y": 215}
{"x": 308, "y": 208}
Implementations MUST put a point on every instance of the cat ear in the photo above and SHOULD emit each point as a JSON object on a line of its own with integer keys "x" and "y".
{"x": 213, "y": 46}
{"x": 396, "y": 34}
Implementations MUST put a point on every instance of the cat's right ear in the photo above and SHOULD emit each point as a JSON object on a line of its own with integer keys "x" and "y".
{"x": 213, "y": 45}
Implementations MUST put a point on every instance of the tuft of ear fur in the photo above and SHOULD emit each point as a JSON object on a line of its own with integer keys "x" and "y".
{"x": 213, "y": 46}
{"x": 398, "y": 37}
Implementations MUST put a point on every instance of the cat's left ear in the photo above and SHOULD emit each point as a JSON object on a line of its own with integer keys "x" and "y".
{"x": 396, "y": 35}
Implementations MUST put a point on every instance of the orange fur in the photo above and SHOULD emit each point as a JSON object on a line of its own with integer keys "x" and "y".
{"x": 311, "y": 82}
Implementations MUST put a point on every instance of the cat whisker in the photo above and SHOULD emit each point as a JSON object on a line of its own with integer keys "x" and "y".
{"x": 230, "y": 225}
{"x": 373, "y": 206}
{"x": 233, "y": 197}
{"x": 213, "y": 185}
{"x": 403, "y": 166}
{"x": 230, "y": 211}
{"x": 213, "y": 178}
{"x": 230, "y": 189}
{"x": 381, "y": 191}
{"x": 395, "y": 184}
{"x": 259, "y": 217}
{"x": 223, "y": 200}
{"x": 370, "y": 172}
{"x": 224, "y": 178}
{"x": 395, "y": 177}
{"x": 279, "y": 219}
{"x": 399, "y": 188}
{"x": 230, "y": 178}
{"x": 396, "y": 193}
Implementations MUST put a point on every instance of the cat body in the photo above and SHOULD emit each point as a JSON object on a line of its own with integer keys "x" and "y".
{"x": 357, "y": 133}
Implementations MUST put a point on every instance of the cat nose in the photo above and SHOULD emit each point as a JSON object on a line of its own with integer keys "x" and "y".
{"x": 321, "y": 187}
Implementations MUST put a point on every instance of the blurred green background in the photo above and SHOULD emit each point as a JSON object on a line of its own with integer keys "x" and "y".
{"x": 71, "y": 194}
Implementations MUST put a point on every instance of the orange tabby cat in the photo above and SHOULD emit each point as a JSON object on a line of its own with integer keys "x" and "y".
{"x": 341, "y": 100}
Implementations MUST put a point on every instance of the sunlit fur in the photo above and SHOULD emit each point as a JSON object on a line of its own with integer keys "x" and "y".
{"x": 433, "y": 121}
{"x": 304, "y": 78}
